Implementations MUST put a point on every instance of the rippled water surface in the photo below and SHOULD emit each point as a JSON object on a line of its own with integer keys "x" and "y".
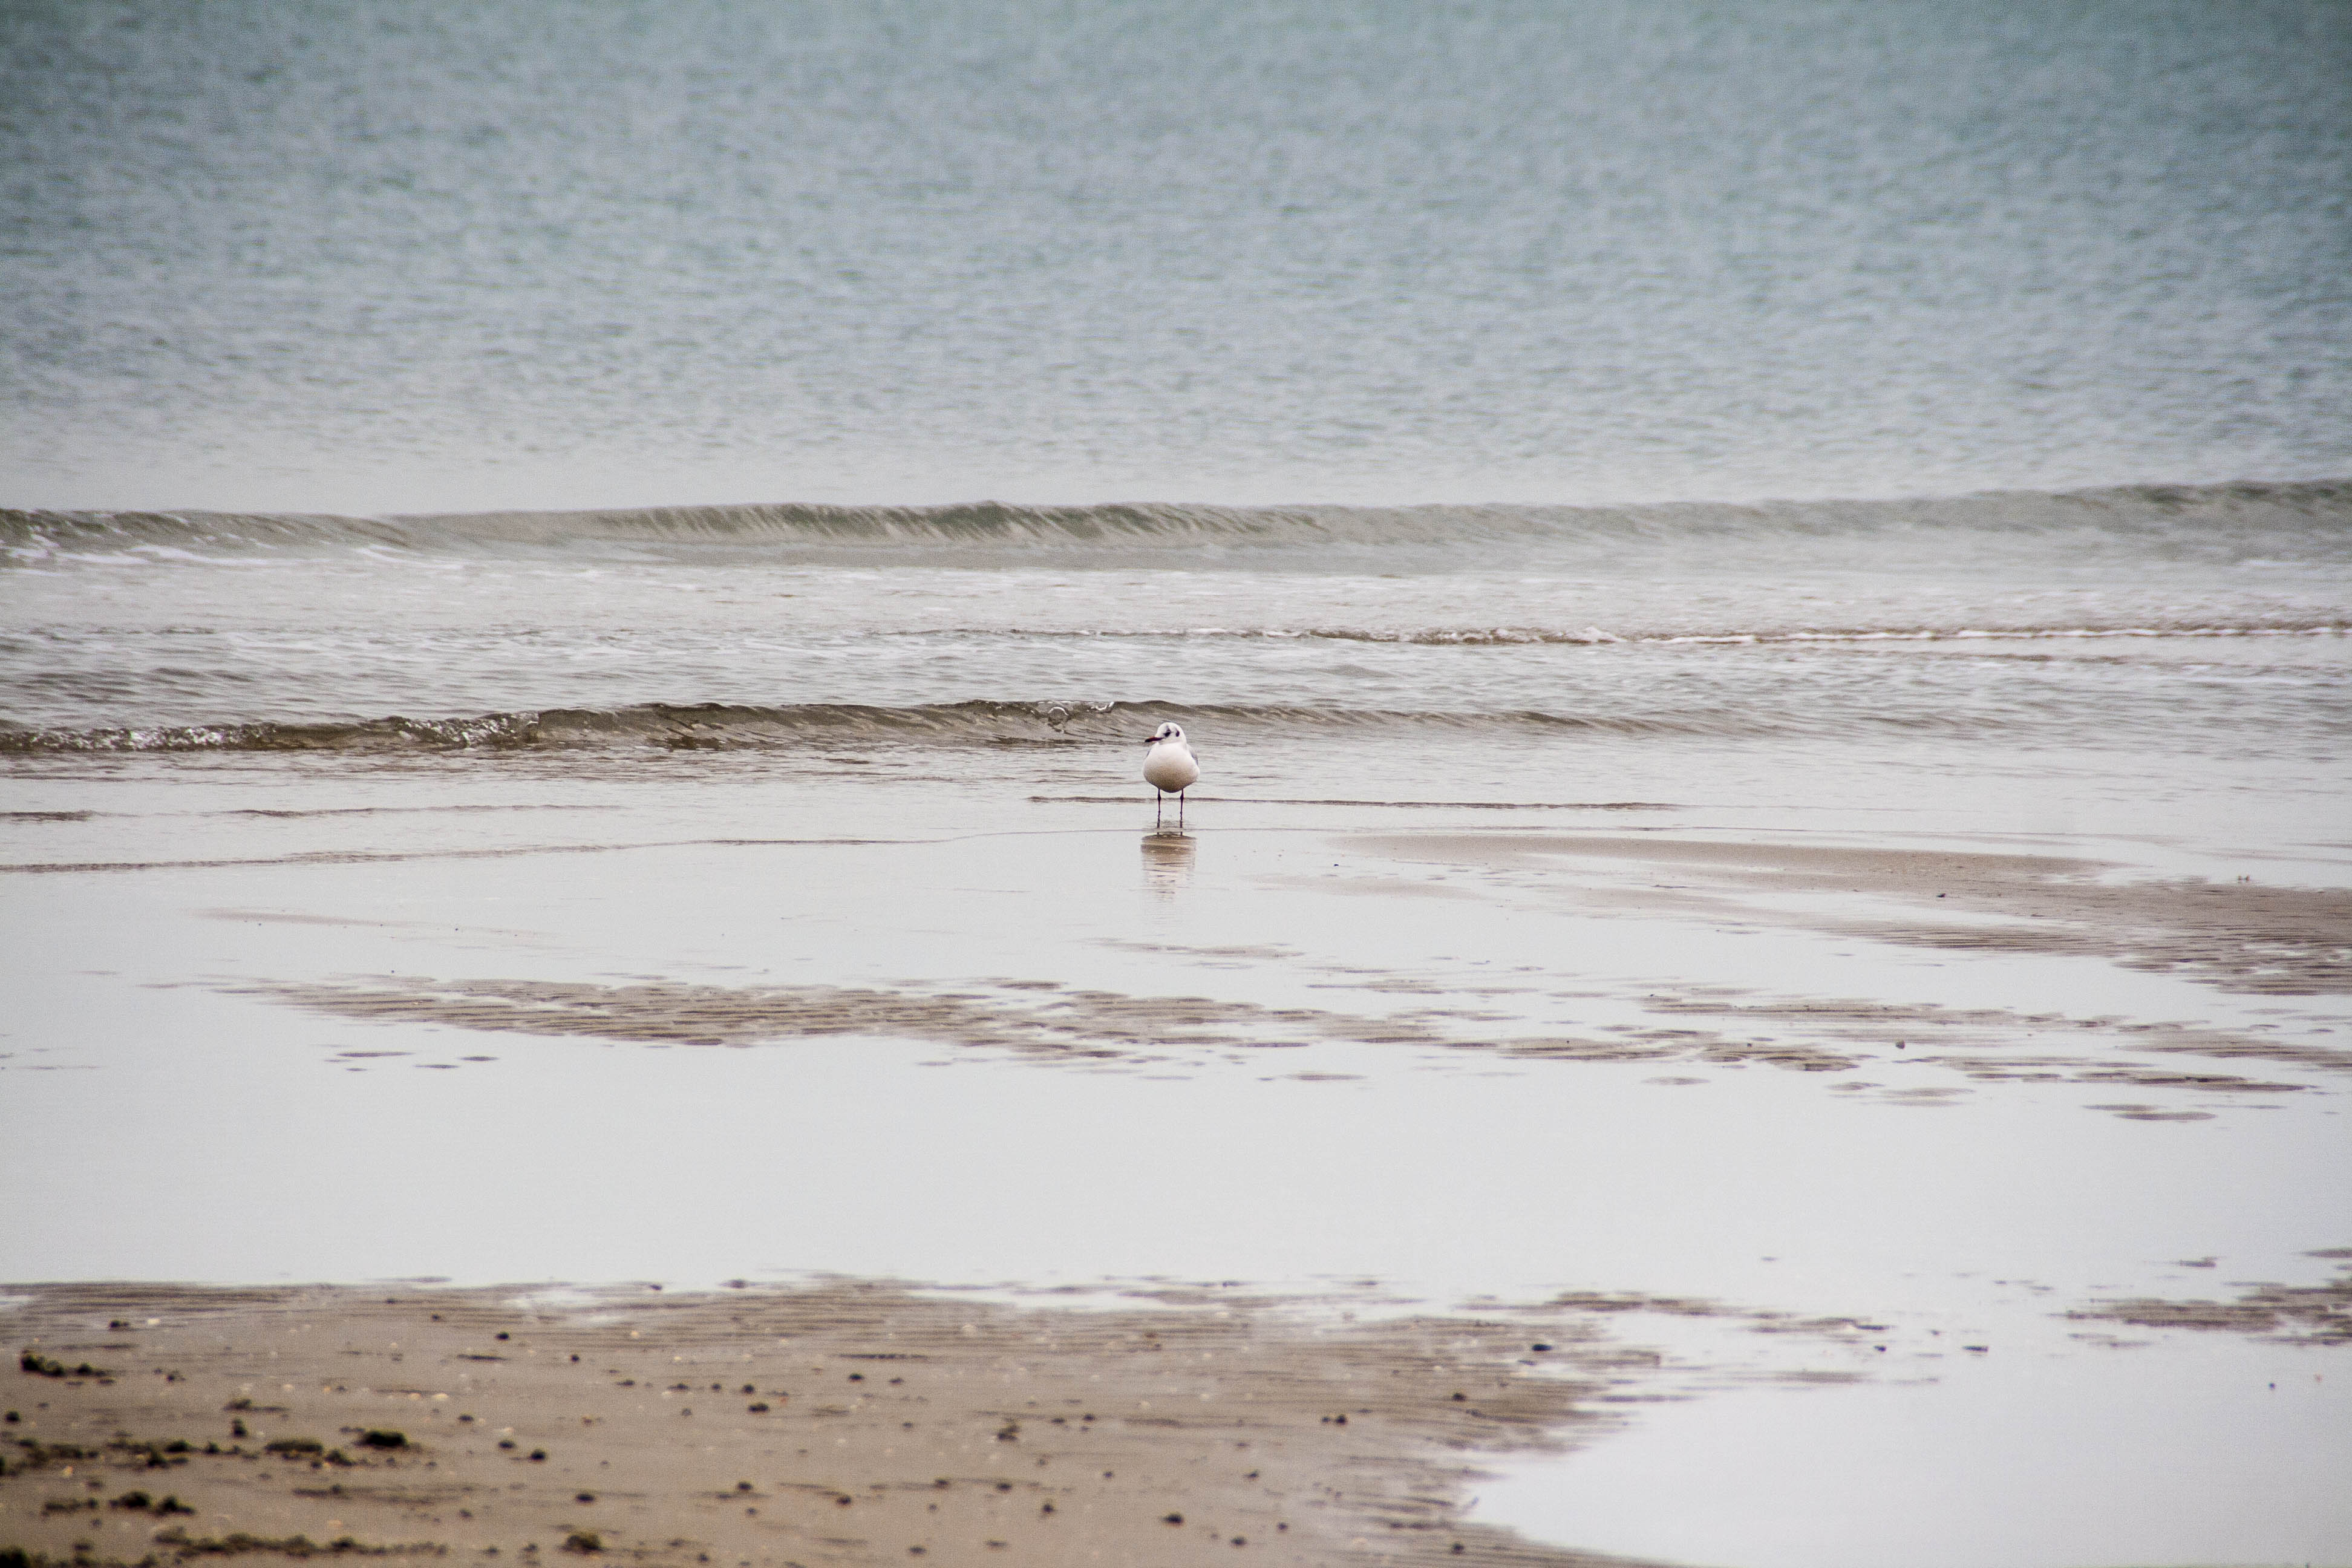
{"x": 1482, "y": 653}
{"x": 444, "y": 256}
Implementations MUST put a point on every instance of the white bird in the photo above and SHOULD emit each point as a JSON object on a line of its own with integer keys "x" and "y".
{"x": 1169, "y": 768}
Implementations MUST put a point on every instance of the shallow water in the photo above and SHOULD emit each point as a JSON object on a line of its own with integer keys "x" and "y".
{"x": 506, "y": 1017}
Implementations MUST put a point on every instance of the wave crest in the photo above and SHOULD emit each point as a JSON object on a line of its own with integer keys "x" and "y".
{"x": 2240, "y": 518}
{"x": 719, "y": 726}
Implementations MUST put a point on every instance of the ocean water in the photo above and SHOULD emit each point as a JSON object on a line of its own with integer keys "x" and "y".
{"x": 445, "y": 258}
{"x": 580, "y": 588}
{"x": 2110, "y": 653}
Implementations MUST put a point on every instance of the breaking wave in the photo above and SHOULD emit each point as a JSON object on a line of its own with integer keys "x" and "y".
{"x": 2236, "y": 520}
{"x": 1592, "y": 637}
{"x": 715, "y": 726}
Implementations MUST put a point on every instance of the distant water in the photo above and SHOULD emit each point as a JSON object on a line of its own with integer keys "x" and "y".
{"x": 438, "y": 256}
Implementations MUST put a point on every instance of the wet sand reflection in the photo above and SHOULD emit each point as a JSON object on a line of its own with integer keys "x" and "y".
{"x": 1167, "y": 860}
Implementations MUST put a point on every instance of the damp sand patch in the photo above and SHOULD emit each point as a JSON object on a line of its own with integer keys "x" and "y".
{"x": 1987, "y": 1045}
{"x": 2284, "y": 1314}
{"x": 1044, "y": 1021}
{"x": 843, "y": 1421}
{"x": 2238, "y": 937}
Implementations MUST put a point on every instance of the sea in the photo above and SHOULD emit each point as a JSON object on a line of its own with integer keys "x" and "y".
{"x": 2144, "y": 659}
{"x": 534, "y": 537}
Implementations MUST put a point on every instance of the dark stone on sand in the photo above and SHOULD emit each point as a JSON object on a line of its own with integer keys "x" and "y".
{"x": 377, "y": 1437}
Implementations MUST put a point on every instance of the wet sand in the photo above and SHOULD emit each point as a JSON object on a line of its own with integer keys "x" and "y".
{"x": 1039, "y": 1021}
{"x": 842, "y": 1422}
{"x": 1713, "y": 1043}
{"x": 2244, "y": 936}
{"x": 2233, "y": 938}
{"x": 2289, "y": 1314}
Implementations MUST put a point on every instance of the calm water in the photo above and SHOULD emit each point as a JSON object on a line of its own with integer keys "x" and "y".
{"x": 438, "y": 256}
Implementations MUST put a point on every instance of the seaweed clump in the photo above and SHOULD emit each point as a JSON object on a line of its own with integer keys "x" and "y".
{"x": 42, "y": 1366}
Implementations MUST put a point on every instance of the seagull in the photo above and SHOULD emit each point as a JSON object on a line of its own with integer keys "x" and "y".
{"x": 1169, "y": 768}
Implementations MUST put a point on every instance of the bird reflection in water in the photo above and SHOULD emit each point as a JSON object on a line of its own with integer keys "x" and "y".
{"x": 1168, "y": 861}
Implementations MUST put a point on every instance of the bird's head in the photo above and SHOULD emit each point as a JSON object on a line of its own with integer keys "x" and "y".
{"x": 1165, "y": 732}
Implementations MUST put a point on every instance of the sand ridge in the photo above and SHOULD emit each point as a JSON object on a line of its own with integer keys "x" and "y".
{"x": 2243, "y": 936}
{"x": 1044, "y": 1021}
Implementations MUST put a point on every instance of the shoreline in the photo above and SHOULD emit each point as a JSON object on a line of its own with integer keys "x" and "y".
{"x": 856, "y": 1421}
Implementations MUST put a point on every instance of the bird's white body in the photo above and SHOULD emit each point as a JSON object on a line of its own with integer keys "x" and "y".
{"x": 1170, "y": 765}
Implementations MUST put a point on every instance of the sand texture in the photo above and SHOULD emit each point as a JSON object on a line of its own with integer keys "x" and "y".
{"x": 838, "y": 1423}
{"x": 2290, "y": 1314}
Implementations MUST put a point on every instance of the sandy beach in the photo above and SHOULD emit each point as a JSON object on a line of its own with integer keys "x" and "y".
{"x": 1758, "y": 973}
{"x": 841, "y": 1423}
{"x": 848, "y": 1422}
{"x": 1219, "y": 1404}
